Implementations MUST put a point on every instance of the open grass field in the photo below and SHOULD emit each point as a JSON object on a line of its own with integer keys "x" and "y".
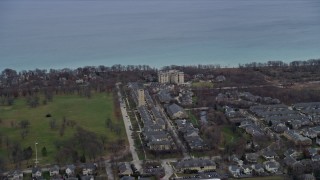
{"x": 204, "y": 84}
{"x": 90, "y": 114}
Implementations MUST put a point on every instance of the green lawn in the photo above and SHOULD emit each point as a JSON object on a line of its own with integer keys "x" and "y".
{"x": 193, "y": 119}
{"x": 87, "y": 113}
{"x": 204, "y": 84}
{"x": 228, "y": 135}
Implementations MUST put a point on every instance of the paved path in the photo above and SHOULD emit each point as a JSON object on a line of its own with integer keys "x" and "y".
{"x": 128, "y": 127}
{"x": 167, "y": 168}
{"x": 109, "y": 171}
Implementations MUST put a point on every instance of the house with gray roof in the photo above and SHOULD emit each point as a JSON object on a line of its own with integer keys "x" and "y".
{"x": 258, "y": 168}
{"x": 269, "y": 154}
{"x": 15, "y": 175}
{"x": 70, "y": 170}
{"x": 271, "y": 166}
{"x": 297, "y": 138}
{"x": 289, "y": 161}
{"x": 164, "y": 96}
{"x": 316, "y": 129}
{"x": 247, "y": 169}
{"x": 54, "y": 170}
{"x": 176, "y": 112}
{"x": 88, "y": 169}
{"x": 124, "y": 169}
{"x": 235, "y": 171}
{"x": 251, "y": 157}
{"x": 315, "y": 158}
{"x": 293, "y": 153}
{"x": 36, "y": 172}
{"x": 194, "y": 142}
{"x": 195, "y": 164}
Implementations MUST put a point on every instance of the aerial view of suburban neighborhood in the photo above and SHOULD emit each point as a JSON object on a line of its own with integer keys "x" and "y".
{"x": 255, "y": 121}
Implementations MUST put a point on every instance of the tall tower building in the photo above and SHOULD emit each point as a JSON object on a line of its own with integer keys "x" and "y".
{"x": 171, "y": 76}
{"x": 141, "y": 98}
{"x": 181, "y": 78}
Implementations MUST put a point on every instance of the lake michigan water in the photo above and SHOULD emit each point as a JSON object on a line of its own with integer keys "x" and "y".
{"x": 72, "y": 33}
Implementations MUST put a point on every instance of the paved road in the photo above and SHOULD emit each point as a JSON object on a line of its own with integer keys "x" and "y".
{"x": 128, "y": 126}
{"x": 167, "y": 167}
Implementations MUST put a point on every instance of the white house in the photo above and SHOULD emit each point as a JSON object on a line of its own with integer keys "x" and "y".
{"x": 70, "y": 170}
{"x": 15, "y": 175}
{"x": 54, "y": 170}
{"x": 271, "y": 166}
{"x": 88, "y": 169}
{"x": 247, "y": 169}
{"x": 234, "y": 170}
{"x": 36, "y": 172}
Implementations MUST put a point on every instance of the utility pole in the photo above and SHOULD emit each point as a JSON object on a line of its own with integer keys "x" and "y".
{"x": 36, "y": 162}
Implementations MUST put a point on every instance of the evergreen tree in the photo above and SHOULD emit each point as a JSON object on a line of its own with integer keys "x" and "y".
{"x": 44, "y": 151}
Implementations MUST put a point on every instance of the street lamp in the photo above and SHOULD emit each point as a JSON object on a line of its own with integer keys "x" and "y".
{"x": 36, "y": 162}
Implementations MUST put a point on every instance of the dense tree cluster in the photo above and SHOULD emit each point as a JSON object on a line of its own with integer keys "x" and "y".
{"x": 84, "y": 145}
{"x": 66, "y": 81}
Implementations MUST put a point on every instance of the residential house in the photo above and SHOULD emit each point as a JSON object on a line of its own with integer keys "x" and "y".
{"x": 229, "y": 112}
{"x": 15, "y": 175}
{"x": 251, "y": 157}
{"x": 309, "y": 133}
{"x": 269, "y": 154}
{"x": 194, "y": 142}
{"x": 297, "y": 138}
{"x": 176, "y": 112}
{"x": 220, "y": 78}
{"x": 160, "y": 145}
{"x": 234, "y": 170}
{"x": 306, "y": 177}
{"x": 258, "y": 168}
{"x": 70, "y": 170}
{"x": 312, "y": 151}
{"x": 316, "y": 129}
{"x": 54, "y": 170}
{"x": 289, "y": 161}
{"x": 154, "y": 171}
{"x": 318, "y": 141}
{"x": 271, "y": 166}
{"x": 125, "y": 169}
{"x": 164, "y": 96}
{"x": 195, "y": 164}
{"x": 315, "y": 158}
{"x": 235, "y": 159}
{"x": 247, "y": 169}
{"x": 36, "y": 172}
{"x": 293, "y": 153}
{"x": 190, "y": 134}
{"x": 88, "y": 169}
{"x": 254, "y": 130}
